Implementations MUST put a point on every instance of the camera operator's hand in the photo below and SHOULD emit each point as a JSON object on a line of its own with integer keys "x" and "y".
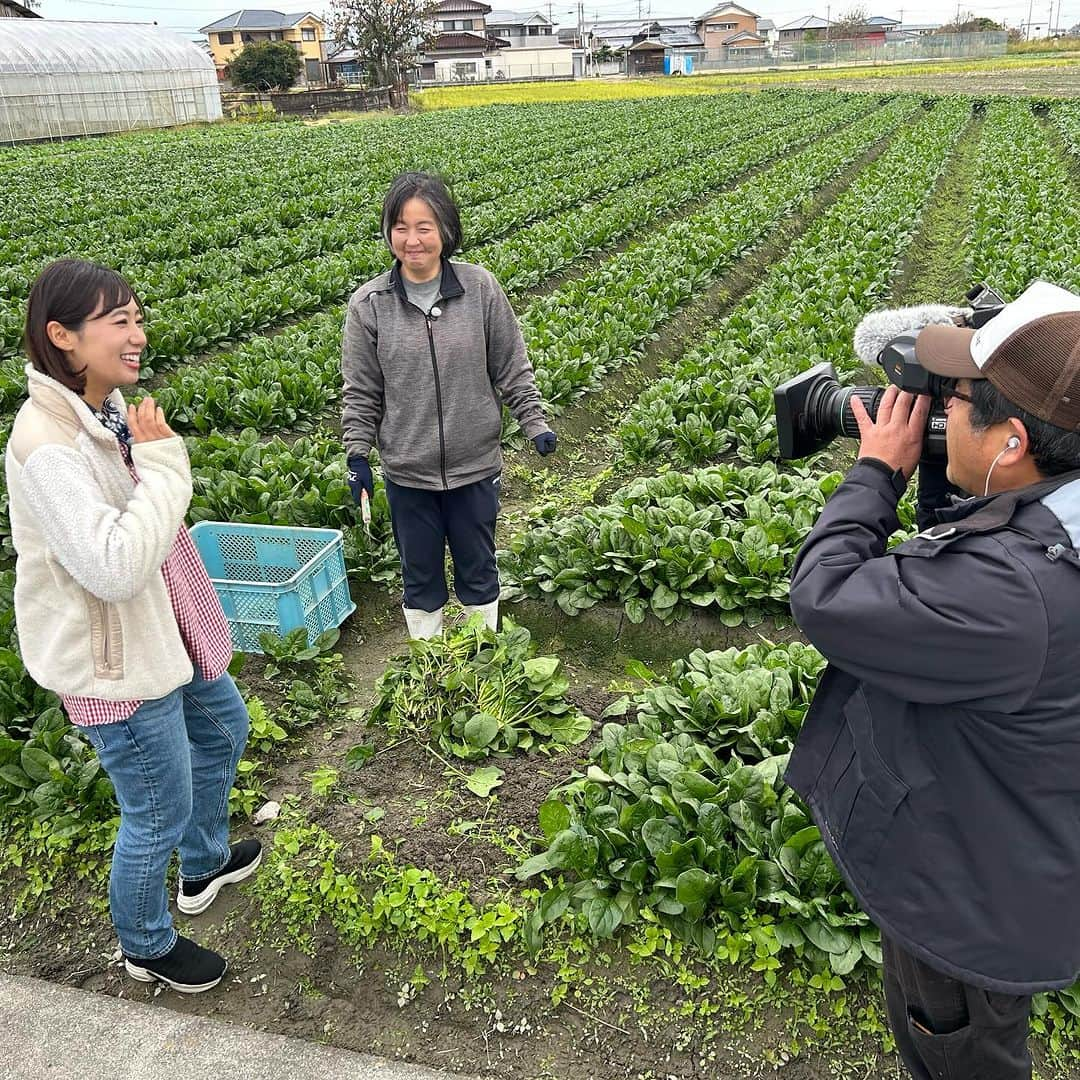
{"x": 897, "y": 437}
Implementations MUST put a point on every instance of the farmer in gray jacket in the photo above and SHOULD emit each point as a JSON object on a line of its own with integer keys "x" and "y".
{"x": 941, "y": 755}
{"x": 431, "y": 352}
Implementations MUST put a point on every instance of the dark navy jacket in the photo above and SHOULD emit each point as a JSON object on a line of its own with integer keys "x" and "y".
{"x": 941, "y": 755}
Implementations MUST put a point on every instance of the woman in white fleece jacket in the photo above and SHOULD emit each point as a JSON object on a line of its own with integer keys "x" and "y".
{"x": 117, "y": 615}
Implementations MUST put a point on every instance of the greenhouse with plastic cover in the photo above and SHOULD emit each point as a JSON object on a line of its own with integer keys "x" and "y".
{"x": 60, "y": 80}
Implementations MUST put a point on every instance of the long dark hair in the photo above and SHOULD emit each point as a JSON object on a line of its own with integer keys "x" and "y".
{"x": 433, "y": 190}
{"x": 69, "y": 291}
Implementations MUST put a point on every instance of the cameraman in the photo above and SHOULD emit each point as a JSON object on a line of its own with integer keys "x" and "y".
{"x": 941, "y": 755}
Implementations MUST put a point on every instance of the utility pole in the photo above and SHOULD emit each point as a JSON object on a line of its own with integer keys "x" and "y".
{"x": 1027, "y": 29}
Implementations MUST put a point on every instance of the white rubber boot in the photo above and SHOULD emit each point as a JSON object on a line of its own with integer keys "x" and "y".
{"x": 423, "y": 624}
{"x": 489, "y": 611}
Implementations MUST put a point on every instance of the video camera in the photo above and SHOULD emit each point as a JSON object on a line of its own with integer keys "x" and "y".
{"x": 813, "y": 408}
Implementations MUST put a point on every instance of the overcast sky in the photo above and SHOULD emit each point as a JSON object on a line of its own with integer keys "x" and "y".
{"x": 188, "y": 15}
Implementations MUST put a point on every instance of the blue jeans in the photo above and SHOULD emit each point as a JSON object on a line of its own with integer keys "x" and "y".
{"x": 172, "y": 762}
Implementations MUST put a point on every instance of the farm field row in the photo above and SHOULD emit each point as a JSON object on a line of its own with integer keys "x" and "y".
{"x": 602, "y": 845}
{"x": 1053, "y": 75}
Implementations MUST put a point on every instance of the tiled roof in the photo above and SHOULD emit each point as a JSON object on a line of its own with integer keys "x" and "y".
{"x": 680, "y": 39}
{"x": 808, "y": 22}
{"x": 258, "y": 19}
{"x": 513, "y": 18}
{"x": 444, "y": 7}
{"x": 725, "y": 7}
{"x": 462, "y": 39}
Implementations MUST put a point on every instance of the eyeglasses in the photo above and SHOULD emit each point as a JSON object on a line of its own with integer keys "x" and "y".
{"x": 954, "y": 393}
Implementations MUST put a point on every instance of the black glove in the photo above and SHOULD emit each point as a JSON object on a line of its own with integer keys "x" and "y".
{"x": 359, "y": 478}
{"x": 545, "y": 443}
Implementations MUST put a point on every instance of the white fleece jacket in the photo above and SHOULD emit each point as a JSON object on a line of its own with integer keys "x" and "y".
{"x": 91, "y": 606}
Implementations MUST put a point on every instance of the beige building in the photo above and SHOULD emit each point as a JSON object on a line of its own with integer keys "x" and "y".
{"x": 305, "y": 31}
{"x": 727, "y": 24}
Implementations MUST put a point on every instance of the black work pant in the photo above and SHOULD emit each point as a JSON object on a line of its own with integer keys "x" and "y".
{"x": 424, "y": 522}
{"x": 949, "y": 1030}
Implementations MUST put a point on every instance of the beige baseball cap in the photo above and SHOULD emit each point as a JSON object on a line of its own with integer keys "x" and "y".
{"x": 1030, "y": 351}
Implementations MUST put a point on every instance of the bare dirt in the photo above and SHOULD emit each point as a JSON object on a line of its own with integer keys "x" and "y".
{"x": 620, "y": 1020}
{"x": 1063, "y": 81}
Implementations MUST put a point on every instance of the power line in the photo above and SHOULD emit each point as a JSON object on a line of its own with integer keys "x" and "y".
{"x": 146, "y": 7}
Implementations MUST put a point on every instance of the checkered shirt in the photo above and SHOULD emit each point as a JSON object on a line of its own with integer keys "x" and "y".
{"x": 202, "y": 624}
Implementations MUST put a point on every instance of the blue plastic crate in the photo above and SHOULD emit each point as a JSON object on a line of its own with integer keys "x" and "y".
{"x": 272, "y": 579}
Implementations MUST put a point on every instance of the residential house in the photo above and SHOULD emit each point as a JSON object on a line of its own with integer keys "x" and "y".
{"x": 620, "y": 34}
{"x": 343, "y": 63}
{"x": 534, "y": 50}
{"x": 766, "y": 28}
{"x": 461, "y": 49}
{"x": 303, "y": 30}
{"x": 798, "y": 30}
{"x": 724, "y": 22}
{"x": 730, "y": 32}
{"x": 11, "y": 9}
{"x": 523, "y": 29}
{"x": 468, "y": 46}
{"x": 876, "y": 28}
{"x": 660, "y": 46}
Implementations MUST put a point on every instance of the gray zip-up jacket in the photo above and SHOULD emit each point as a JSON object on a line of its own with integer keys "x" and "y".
{"x": 428, "y": 389}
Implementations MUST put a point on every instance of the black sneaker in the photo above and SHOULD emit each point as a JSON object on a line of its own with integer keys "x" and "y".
{"x": 194, "y": 897}
{"x": 186, "y": 967}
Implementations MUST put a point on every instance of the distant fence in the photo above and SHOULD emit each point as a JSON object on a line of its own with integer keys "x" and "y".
{"x": 502, "y": 73}
{"x": 857, "y": 51}
{"x": 312, "y": 102}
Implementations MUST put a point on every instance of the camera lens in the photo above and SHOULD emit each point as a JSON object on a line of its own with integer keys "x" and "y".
{"x": 845, "y": 422}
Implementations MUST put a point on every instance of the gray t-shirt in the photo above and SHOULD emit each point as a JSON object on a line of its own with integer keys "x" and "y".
{"x": 423, "y": 295}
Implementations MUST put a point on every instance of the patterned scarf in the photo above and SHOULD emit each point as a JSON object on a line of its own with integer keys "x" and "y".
{"x": 110, "y": 417}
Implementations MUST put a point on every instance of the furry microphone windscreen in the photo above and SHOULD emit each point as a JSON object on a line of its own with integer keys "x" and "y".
{"x": 878, "y": 328}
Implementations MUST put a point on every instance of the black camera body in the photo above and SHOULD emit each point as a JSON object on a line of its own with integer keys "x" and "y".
{"x": 813, "y": 408}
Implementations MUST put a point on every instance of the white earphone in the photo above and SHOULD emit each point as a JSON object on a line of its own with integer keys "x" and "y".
{"x": 1012, "y": 444}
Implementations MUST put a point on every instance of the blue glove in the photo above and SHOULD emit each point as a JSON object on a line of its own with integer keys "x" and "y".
{"x": 359, "y": 478}
{"x": 545, "y": 443}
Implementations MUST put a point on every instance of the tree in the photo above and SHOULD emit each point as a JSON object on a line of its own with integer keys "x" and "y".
{"x": 852, "y": 24}
{"x": 265, "y": 64}
{"x": 970, "y": 23}
{"x": 387, "y": 34}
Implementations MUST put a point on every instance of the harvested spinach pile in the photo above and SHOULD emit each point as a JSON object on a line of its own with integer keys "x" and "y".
{"x": 477, "y": 692}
